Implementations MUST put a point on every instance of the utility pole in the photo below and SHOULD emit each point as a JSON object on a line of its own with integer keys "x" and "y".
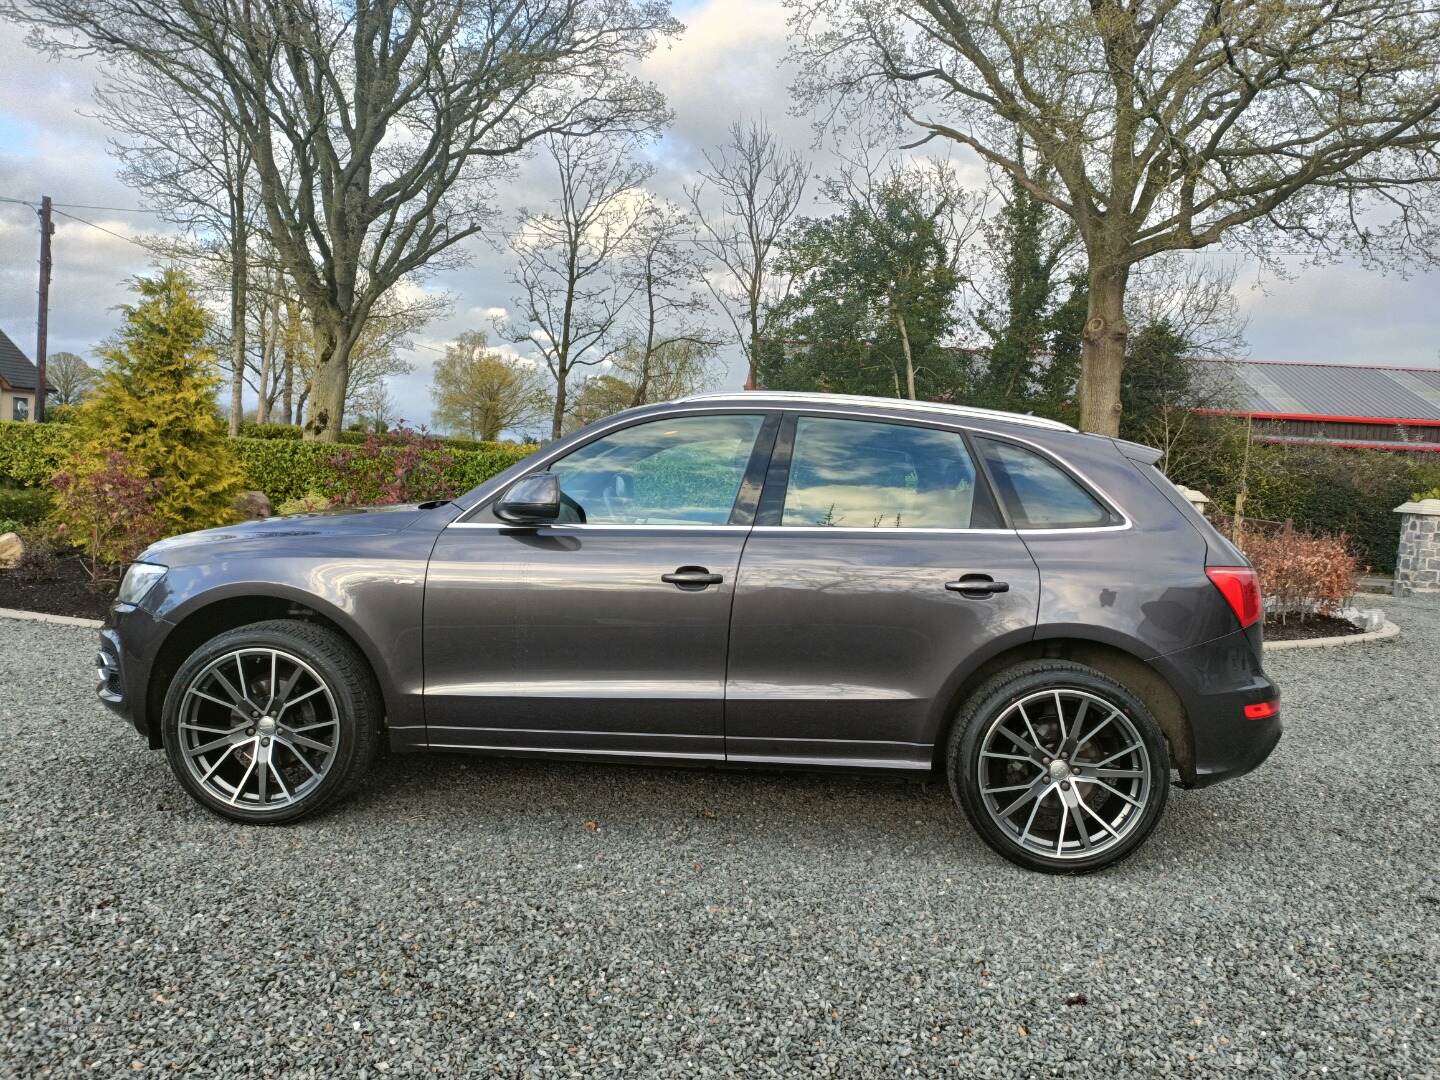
{"x": 47, "y": 229}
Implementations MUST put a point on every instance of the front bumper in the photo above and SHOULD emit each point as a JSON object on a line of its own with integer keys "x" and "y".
{"x": 1215, "y": 682}
{"x": 129, "y": 641}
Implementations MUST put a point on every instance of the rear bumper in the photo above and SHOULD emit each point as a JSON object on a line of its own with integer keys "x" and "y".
{"x": 1215, "y": 682}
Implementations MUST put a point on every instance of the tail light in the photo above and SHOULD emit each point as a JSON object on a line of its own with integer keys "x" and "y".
{"x": 1262, "y": 710}
{"x": 1241, "y": 588}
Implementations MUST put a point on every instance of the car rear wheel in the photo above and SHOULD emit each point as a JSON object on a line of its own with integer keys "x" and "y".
{"x": 1059, "y": 767}
{"x": 271, "y": 722}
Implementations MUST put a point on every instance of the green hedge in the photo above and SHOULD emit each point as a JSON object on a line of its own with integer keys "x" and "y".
{"x": 1320, "y": 489}
{"x": 282, "y": 467}
{"x": 29, "y": 453}
{"x": 24, "y": 506}
{"x": 290, "y": 433}
{"x": 287, "y": 469}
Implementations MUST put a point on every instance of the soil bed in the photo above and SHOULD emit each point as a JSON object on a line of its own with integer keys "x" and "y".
{"x": 1299, "y": 627}
{"x": 66, "y": 590}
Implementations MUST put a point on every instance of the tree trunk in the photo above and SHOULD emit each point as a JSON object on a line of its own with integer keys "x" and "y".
{"x": 332, "y": 379}
{"x": 557, "y": 419}
{"x": 238, "y": 285}
{"x": 287, "y": 387}
{"x": 1102, "y": 355}
{"x": 751, "y": 381}
{"x": 267, "y": 365}
{"x": 909, "y": 358}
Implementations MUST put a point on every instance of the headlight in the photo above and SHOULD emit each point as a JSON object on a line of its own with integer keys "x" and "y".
{"x": 139, "y": 580}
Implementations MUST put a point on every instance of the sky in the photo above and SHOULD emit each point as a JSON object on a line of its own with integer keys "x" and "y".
{"x": 728, "y": 65}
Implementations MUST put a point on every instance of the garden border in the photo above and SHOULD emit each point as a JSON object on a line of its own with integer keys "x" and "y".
{"x": 1388, "y": 632}
{"x": 43, "y": 616}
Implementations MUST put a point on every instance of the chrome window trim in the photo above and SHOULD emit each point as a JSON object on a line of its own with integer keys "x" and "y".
{"x": 794, "y": 530}
{"x": 821, "y": 530}
{"x": 575, "y": 526}
{"x": 622, "y": 421}
{"x": 1093, "y": 488}
{"x": 840, "y": 409}
{"x": 1044, "y": 451}
{"x": 804, "y": 400}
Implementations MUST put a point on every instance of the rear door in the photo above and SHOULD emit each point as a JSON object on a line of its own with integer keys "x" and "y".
{"x": 879, "y": 562}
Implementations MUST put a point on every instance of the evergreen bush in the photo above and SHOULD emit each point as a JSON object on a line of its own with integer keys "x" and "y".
{"x": 155, "y": 403}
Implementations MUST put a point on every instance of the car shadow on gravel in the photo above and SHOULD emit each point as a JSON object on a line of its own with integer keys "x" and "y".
{"x": 814, "y": 812}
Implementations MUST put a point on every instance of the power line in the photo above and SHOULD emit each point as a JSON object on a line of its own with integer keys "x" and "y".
{"x": 108, "y": 232}
{"x": 116, "y": 209}
{"x": 529, "y": 234}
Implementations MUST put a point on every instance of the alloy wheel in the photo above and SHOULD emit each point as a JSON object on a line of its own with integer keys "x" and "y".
{"x": 1065, "y": 774}
{"x": 259, "y": 729}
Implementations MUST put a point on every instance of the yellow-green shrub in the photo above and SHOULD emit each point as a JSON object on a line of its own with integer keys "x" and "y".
{"x": 155, "y": 404}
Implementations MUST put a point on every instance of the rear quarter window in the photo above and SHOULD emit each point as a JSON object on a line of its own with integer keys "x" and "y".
{"x": 1037, "y": 492}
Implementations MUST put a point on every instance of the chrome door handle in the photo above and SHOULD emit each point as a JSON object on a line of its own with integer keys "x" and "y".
{"x": 977, "y": 586}
{"x": 692, "y": 578}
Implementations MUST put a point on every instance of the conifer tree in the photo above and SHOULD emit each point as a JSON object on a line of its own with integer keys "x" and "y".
{"x": 155, "y": 403}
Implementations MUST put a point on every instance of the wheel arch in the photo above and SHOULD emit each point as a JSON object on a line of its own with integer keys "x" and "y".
{"x": 1119, "y": 663}
{"x": 205, "y": 617}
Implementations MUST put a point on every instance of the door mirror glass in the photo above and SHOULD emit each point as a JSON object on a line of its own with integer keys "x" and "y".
{"x": 530, "y": 500}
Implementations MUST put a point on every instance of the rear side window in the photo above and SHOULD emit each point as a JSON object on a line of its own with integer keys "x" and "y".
{"x": 860, "y": 474}
{"x": 1038, "y": 493}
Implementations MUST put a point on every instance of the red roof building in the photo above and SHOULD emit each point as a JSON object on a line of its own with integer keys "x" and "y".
{"x": 1380, "y": 408}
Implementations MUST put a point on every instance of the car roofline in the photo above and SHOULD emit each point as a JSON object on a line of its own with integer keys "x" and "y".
{"x": 774, "y": 397}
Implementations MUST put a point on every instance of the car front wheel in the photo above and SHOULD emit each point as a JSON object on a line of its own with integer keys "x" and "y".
{"x": 271, "y": 722}
{"x": 1059, "y": 767}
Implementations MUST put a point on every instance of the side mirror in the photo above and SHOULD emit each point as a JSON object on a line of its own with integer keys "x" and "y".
{"x": 531, "y": 500}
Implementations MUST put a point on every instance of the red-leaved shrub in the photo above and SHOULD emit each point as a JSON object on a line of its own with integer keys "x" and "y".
{"x": 108, "y": 512}
{"x": 399, "y": 466}
{"x": 1301, "y": 574}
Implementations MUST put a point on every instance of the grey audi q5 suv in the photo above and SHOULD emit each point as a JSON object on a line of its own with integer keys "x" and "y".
{"x": 754, "y": 579}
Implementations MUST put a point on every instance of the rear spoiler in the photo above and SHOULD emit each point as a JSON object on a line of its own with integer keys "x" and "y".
{"x": 1145, "y": 455}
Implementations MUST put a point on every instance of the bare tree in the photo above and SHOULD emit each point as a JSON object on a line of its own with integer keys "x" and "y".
{"x": 667, "y": 344}
{"x": 194, "y": 167}
{"x": 568, "y": 261}
{"x": 69, "y": 377}
{"x": 1162, "y": 125}
{"x": 1195, "y": 297}
{"x": 377, "y": 130}
{"x": 756, "y": 186}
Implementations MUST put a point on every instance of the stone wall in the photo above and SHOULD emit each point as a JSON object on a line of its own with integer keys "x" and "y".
{"x": 1417, "y": 567}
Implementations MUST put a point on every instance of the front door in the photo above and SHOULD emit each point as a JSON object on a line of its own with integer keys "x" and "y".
{"x": 607, "y": 631}
{"x": 878, "y": 563}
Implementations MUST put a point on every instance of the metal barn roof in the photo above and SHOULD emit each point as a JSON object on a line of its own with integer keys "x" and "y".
{"x": 1336, "y": 391}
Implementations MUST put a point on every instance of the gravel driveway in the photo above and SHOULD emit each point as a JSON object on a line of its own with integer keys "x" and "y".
{"x": 464, "y": 916}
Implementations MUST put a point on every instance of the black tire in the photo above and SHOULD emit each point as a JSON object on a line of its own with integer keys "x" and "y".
{"x": 352, "y": 698}
{"x": 993, "y": 706}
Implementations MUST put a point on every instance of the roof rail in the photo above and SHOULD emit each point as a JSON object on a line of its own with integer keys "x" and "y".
{"x": 800, "y": 398}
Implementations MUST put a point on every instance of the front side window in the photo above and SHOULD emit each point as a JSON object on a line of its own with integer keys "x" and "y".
{"x": 867, "y": 475}
{"x": 19, "y": 408}
{"x": 1037, "y": 492}
{"x": 686, "y": 470}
